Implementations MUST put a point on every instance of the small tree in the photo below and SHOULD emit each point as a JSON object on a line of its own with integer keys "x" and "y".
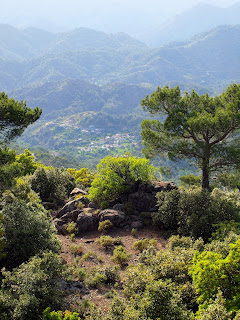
{"x": 15, "y": 117}
{"x": 115, "y": 175}
{"x": 194, "y": 127}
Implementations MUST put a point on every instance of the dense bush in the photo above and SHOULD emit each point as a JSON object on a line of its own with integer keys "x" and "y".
{"x": 28, "y": 228}
{"x": 194, "y": 212}
{"x": 104, "y": 226}
{"x": 105, "y": 241}
{"x": 141, "y": 245}
{"x": 13, "y": 166}
{"x": 60, "y": 315}
{"x": 115, "y": 175}
{"x": 211, "y": 273}
{"x": 52, "y": 183}
{"x": 83, "y": 177}
{"x": 120, "y": 255}
{"x": 29, "y": 289}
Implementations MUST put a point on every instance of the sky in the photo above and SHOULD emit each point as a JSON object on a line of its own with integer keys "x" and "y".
{"x": 117, "y": 15}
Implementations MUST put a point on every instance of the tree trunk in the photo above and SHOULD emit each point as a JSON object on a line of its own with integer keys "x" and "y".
{"x": 205, "y": 170}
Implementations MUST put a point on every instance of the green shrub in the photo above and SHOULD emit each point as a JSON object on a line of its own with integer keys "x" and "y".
{"x": 115, "y": 175}
{"x": 177, "y": 241}
{"x": 88, "y": 256}
{"x": 118, "y": 241}
{"x": 120, "y": 255}
{"x": 28, "y": 228}
{"x": 71, "y": 227}
{"x": 13, "y": 166}
{"x": 224, "y": 228}
{"x": 141, "y": 245}
{"x": 105, "y": 241}
{"x": 111, "y": 274}
{"x": 32, "y": 287}
{"x": 104, "y": 226}
{"x": 76, "y": 249}
{"x": 72, "y": 236}
{"x": 52, "y": 183}
{"x": 95, "y": 278}
{"x": 60, "y": 315}
{"x": 134, "y": 232}
{"x": 81, "y": 273}
{"x": 223, "y": 246}
{"x": 194, "y": 212}
{"x": 215, "y": 308}
{"x": 211, "y": 273}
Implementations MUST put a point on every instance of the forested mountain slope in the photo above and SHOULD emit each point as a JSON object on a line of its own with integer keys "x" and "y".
{"x": 210, "y": 59}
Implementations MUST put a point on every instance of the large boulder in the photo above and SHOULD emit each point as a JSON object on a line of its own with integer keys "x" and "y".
{"x": 87, "y": 221}
{"x": 144, "y": 199}
{"x": 72, "y": 205}
{"x": 118, "y": 218}
{"x": 77, "y": 191}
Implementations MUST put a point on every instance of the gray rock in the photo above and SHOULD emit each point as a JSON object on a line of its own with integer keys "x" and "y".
{"x": 137, "y": 224}
{"x": 72, "y": 287}
{"x": 118, "y": 218}
{"x": 142, "y": 201}
{"x": 87, "y": 221}
{"x": 70, "y": 206}
{"x": 118, "y": 206}
{"x": 61, "y": 229}
{"x": 77, "y": 191}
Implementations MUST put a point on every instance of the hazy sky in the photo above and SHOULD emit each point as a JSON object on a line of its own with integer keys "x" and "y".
{"x": 99, "y": 14}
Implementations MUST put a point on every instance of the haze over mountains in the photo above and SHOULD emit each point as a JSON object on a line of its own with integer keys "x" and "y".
{"x": 199, "y": 18}
{"x": 154, "y": 22}
{"x": 210, "y": 59}
{"x": 86, "y": 80}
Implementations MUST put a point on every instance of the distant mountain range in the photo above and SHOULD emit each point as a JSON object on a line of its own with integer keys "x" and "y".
{"x": 200, "y": 18}
{"x": 210, "y": 59}
{"x": 93, "y": 82}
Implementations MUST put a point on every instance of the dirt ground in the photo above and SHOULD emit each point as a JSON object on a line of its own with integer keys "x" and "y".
{"x": 102, "y": 257}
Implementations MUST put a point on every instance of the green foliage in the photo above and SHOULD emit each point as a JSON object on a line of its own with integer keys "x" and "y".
{"x": 104, "y": 226}
{"x": 224, "y": 228}
{"x": 190, "y": 180}
{"x": 141, "y": 245}
{"x": 88, "y": 256}
{"x": 84, "y": 177}
{"x": 71, "y": 227}
{"x": 134, "y": 232}
{"x": 120, "y": 256}
{"x": 13, "y": 166}
{"x": 28, "y": 228}
{"x": 211, "y": 273}
{"x": 52, "y": 184}
{"x": 196, "y": 127}
{"x": 177, "y": 241}
{"x": 105, "y": 241}
{"x": 95, "y": 278}
{"x": 2, "y": 238}
{"x": 215, "y": 310}
{"x": 32, "y": 287}
{"x": 230, "y": 181}
{"x": 15, "y": 117}
{"x": 76, "y": 249}
{"x": 60, "y": 315}
{"x": 222, "y": 246}
{"x": 115, "y": 175}
{"x": 194, "y": 212}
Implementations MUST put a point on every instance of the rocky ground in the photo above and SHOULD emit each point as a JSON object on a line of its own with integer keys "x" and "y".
{"x": 130, "y": 216}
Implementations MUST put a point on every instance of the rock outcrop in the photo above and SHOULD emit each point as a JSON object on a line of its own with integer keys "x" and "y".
{"x": 122, "y": 212}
